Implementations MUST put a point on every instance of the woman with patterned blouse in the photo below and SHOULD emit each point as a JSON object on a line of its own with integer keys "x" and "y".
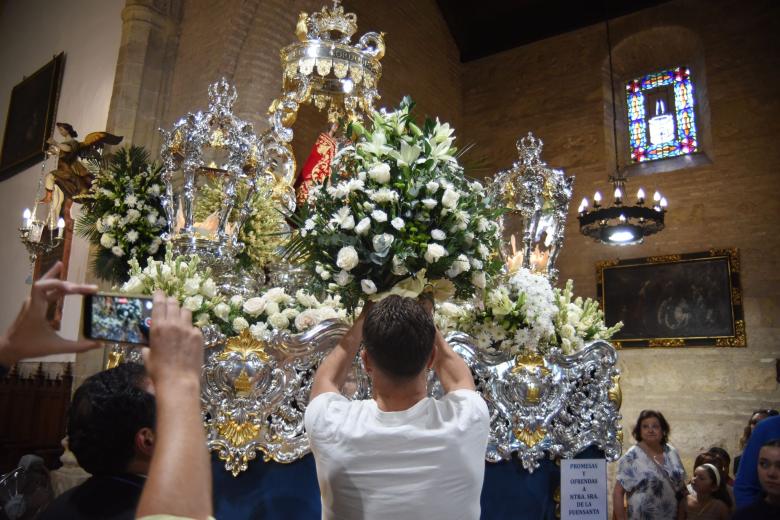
{"x": 650, "y": 474}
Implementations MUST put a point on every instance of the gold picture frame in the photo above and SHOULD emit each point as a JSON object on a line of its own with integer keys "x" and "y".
{"x": 678, "y": 300}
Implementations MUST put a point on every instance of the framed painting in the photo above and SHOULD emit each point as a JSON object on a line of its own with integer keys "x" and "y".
{"x": 685, "y": 300}
{"x": 30, "y": 119}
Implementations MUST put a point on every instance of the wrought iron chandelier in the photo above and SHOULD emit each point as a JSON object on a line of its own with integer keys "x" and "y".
{"x": 621, "y": 223}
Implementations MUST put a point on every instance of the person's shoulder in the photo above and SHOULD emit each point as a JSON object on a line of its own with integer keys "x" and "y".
{"x": 326, "y": 411}
{"x": 769, "y": 428}
{"x": 758, "y": 510}
{"x": 467, "y": 397}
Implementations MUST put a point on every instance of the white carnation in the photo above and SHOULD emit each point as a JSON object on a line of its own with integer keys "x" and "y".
{"x": 118, "y": 251}
{"x": 478, "y": 279}
{"x": 384, "y": 195}
{"x": 133, "y": 286}
{"x": 236, "y": 300}
{"x": 342, "y": 278}
{"x": 432, "y": 187}
{"x": 380, "y": 173}
{"x": 430, "y": 203}
{"x": 240, "y": 324}
{"x": 347, "y": 258}
{"x": 379, "y": 215}
{"x": 222, "y": 311}
{"x": 107, "y": 240}
{"x": 193, "y": 303}
{"x": 133, "y": 215}
{"x": 363, "y": 226}
{"x": 191, "y": 285}
{"x": 397, "y": 223}
{"x": 450, "y": 198}
{"x": 438, "y": 234}
{"x": 306, "y": 299}
{"x": 260, "y": 331}
{"x": 271, "y": 307}
{"x": 307, "y": 319}
{"x": 254, "y": 306}
{"x": 368, "y": 286}
{"x": 278, "y": 321}
{"x": 434, "y": 253}
{"x": 343, "y": 218}
{"x": 208, "y": 288}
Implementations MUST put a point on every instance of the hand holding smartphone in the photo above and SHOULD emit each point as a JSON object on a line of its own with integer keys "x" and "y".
{"x": 119, "y": 318}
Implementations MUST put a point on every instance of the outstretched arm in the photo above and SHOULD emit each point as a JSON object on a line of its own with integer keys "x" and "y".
{"x": 179, "y": 480}
{"x": 332, "y": 372}
{"x": 452, "y": 371}
{"x": 31, "y": 335}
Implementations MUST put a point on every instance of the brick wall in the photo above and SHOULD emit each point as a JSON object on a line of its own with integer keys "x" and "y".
{"x": 558, "y": 89}
{"x": 242, "y": 40}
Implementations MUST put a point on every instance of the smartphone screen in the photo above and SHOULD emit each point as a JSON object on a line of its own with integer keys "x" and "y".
{"x": 117, "y": 318}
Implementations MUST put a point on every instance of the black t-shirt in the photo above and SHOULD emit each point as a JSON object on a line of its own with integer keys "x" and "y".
{"x": 760, "y": 510}
{"x": 106, "y": 497}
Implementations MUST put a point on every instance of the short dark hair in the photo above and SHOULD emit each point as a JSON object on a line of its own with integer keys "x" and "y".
{"x": 107, "y": 411}
{"x": 647, "y": 414}
{"x": 398, "y": 336}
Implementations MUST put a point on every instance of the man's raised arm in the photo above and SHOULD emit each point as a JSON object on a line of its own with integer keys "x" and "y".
{"x": 333, "y": 371}
{"x": 452, "y": 371}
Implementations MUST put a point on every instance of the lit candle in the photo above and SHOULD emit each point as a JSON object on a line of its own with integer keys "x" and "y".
{"x": 656, "y": 196}
{"x": 663, "y": 202}
{"x": 583, "y": 204}
{"x": 640, "y": 195}
{"x": 26, "y": 216}
{"x": 60, "y": 227}
{"x": 596, "y": 199}
{"x": 618, "y": 193}
{"x": 622, "y": 219}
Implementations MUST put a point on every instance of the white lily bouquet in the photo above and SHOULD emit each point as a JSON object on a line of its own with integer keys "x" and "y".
{"x": 579, "y": 321}
{"x": 264, "y": 314}
{"x": 123, "y": 216}
{"x": 397, "y": 215}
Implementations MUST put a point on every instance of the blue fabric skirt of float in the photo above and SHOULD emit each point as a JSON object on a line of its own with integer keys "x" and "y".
{"x": 273, "y": 491}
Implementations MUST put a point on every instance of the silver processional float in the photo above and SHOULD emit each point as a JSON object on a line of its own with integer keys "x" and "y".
{"x": 550, "y": 403}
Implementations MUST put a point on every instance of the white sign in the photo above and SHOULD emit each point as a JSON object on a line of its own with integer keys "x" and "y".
{"x": 584, "y": 489}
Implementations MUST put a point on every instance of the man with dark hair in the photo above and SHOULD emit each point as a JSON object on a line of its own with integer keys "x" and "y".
{"x": 400, "y": 455}
{"x": 111, "y": 431}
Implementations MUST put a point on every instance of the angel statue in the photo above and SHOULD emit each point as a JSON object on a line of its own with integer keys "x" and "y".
{"x": 72, "y": 178}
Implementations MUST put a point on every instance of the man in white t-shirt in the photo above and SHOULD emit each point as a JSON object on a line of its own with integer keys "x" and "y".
{"x": 401, "y": 455}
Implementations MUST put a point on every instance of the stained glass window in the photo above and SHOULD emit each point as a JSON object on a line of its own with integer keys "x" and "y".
{"x": 661, "y": 119}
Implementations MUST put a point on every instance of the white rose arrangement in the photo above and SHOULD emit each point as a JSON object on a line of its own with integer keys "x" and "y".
{"x": 397, "y": 204}
{"x": 123, "y": 216}
{"x": 265, "y": 314}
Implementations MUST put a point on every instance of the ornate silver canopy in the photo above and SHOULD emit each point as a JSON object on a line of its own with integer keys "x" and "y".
{"x": 537, "y": 198}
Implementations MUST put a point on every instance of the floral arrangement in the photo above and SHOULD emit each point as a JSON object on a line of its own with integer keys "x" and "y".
{"x": 181, "y": 277}
{"x": 580, "y": 321}
{"x": 123, "y": 216}
{"x": 517, "y": 314}
{"x": 396, "y": 207}
{"x": 262, "y": 231}
{"x": 265, "y": 314}
{"x": 524, "y": 313}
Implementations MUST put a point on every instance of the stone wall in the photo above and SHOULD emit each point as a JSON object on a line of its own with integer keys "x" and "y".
{"x": 559, "y": 89}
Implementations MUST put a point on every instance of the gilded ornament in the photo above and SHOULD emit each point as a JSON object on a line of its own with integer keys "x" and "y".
{"x": 530, "y": 437}
{"x": 736, "y": 296}
{"x": 663, "y": 259}
{"x": 236, "y": 433}
{"x": 666, "y": 342}
{"x": 738, "y": 340}
{"x": 530, "y": 362}
{"x": 245, "y": 344}
{"x": 615, "y": 392}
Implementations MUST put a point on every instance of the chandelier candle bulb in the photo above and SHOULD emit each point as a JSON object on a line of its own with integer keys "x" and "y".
{"x": 656, "y": 196}
{"x": 622, "y": 219}
{"x": 596, "y": 199}
{"x": 664, "y": 203}
{"x": 60, "y": 227}
{"x": 26, "y": 216}
{"x": 640, "y": 196}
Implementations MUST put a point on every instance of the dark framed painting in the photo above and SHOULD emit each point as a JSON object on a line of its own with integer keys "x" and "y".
{"x": 30, "y": 119}
{"x": 685, "y": 300}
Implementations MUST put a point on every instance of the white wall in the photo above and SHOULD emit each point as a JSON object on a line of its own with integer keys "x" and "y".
{"x": 31, "y": 33}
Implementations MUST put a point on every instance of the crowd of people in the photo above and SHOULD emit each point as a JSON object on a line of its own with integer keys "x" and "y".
{"x": 400, "y": 455}
{"x": 652, "y": 483}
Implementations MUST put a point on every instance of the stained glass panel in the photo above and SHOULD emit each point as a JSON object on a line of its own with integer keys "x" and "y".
{"x": 672, "y": 136}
